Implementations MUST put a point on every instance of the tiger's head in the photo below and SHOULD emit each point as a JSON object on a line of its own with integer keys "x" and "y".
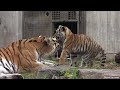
{"x": 43, "y": 40}
{"x": 52, "y": 44}
{"x": 62, "y": 32}
{"x": 40, "y": 39}
{"x": 46, "y": 45}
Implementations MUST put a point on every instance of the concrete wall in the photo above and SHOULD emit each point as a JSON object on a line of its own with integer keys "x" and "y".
{"x": 10, "y": 27}
{"x": 104, "y": 27}
{"x": 36, "y": 23}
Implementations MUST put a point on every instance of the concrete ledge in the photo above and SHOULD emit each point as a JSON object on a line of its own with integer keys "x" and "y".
{"x": 99, "y": 73}
{"x": 67, "y": 72}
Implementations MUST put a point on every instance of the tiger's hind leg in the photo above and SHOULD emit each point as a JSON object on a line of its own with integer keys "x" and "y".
{"x": 89, "y": 63}
{"x": 83, "y": 63}
{"x": 73, "y": 60}
{"x": 86, "y": 61}
{"x": 8, "y": 73}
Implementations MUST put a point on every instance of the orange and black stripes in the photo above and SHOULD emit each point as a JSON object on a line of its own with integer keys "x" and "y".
{"x": 13, "y": 58}
{"x": 23, "y": 55}
{"x": 80, "y": 44}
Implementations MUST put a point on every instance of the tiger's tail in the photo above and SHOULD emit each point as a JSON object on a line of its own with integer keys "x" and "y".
{"x": 103, "y": 58}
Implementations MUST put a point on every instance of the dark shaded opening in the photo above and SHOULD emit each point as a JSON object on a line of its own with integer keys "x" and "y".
{"x": 71, "y": 25}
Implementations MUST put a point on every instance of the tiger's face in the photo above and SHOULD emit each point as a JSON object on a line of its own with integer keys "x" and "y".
{"x": 60, "y": 31}
{"x": 52, "y": 42}
{"x": 60, "y": 34}
{"x": 47, "y": 45}
{"x": 46, "y": 41}
{"x": 41, "y": 39}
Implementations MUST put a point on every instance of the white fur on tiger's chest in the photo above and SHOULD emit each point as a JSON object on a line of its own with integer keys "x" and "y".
{"x": 37, "y": 55}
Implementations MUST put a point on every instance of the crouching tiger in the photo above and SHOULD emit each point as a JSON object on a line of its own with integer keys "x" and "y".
{"x": 80, "y": 44}
{"x": 23, "y": 56}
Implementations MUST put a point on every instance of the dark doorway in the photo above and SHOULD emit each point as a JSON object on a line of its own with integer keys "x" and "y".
{"x": 71, "y": 25}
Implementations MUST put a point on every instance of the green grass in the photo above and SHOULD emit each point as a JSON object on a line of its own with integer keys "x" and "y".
{"x": 110, "y": 64}
{"x": 29, "y": 75}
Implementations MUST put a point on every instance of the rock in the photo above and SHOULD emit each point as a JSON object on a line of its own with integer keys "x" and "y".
{"x": 99, "y": 74}
{"x": 56, "y": 72}
{"x": 68, "y": 72}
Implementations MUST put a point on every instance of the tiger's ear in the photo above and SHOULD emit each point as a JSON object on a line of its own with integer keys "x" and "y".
{"x": 41, "y": 39}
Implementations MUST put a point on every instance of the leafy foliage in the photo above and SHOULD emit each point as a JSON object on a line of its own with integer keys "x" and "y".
{"x": 71, "y": 74}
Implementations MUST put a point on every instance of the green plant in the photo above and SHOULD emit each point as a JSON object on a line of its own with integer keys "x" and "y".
{"x": 71, "y": 74}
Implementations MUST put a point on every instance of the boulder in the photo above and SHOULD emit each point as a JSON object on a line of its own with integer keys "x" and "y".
{"x": 68, "y": 72}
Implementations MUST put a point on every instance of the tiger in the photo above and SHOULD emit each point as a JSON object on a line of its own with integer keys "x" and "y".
{"x": 79, "y": 44}
{"x": 23, "y": 56}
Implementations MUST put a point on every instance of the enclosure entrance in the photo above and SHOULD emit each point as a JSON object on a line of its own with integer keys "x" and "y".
{"x": 37, "y": 23}
{"x": 71, "y": 25}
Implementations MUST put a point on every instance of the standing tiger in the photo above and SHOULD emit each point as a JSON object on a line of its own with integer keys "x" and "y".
{"x": 80, "y": 44}
{"x": 23, "y": 56}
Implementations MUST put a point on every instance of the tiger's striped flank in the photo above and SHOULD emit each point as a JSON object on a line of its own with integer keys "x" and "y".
{"x": 23, "y": 56}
